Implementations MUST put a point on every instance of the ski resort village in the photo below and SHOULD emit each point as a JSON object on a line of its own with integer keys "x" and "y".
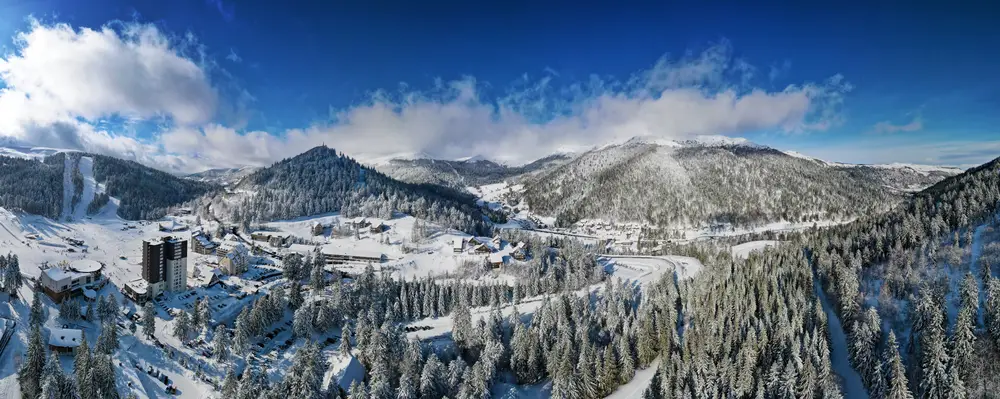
{"x": 225, "y": 199}
{"x": 189, "y": 305}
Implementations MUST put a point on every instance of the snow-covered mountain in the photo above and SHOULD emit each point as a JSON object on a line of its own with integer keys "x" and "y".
{"x": 322, "y": 180}
{"x": 223, "y": 176}
{"x": 463, "y": 173}
{"x": 693, "y": 182}
{"x": 690, "y": 182}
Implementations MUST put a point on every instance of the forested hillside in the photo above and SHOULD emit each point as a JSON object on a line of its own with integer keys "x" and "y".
{"x": 144, "y": 192}
{"x": 461, "y": 174}
{"x": 32, "y": 186}
{"x": 917, "y": 290}
{"x": 321, "y": 180}
{"x": 678, "y": 184}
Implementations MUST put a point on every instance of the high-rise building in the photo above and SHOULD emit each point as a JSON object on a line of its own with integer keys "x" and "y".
{"x": 164, "y": 264}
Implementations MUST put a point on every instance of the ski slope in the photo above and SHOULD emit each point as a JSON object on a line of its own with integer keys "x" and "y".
{"x": 86, "y": 168}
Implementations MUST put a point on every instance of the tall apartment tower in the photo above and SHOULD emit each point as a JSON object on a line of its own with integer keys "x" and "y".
{"x": 164, "y": 264}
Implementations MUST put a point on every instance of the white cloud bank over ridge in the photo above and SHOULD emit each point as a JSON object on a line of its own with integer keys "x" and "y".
{"x": 61, "y": 81}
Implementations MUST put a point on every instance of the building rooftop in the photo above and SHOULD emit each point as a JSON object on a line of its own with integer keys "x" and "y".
{"x": 65, "y": 337}
{"x": 139, "y": 286}
{"x": 85, "y": 266}
{"x": 58, "y": 274}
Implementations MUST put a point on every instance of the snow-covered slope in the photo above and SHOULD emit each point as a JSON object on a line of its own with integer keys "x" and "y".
{"x": 696, "y": 182}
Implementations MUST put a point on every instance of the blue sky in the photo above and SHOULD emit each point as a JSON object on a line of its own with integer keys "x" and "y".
{"x": 511, "y": 81}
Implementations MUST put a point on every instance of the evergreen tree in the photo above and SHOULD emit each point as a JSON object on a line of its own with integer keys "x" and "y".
{"x": 295, "y": 296}
{"x": 182, "y": 326}
{"x": 29, "y": 375}
{"x": 221, "y": 343}
{"x": 230, "y": 384}
{"x": 107, "y": 342}
{"x": 55, "y": 385}
{"x": 963, "y": 342}
{"x": 933, "y": 357}
{"x": 148, "y": 319}
{"x": 81, "y": 370}
{"x": 37, "y": 315}
{"x": 357, "y": 391}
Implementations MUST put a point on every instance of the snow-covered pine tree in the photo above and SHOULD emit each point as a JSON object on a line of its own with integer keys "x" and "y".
{"x": 30, "y": 373}
{"x": 295, "y": 298}
{"x": 148, "y": 319}
{"x": 55, "y": 384}
{"x": 182, "y": 326}
{"x": 37, "y": 314}
{"x": 107, "y": 342}
{"x": 934, "y": 381}
{"x": 81, "y": 370}
{"x": 432, "y": 378}
{"x": 963, "y": 343}
{"x": 221, "y": 343}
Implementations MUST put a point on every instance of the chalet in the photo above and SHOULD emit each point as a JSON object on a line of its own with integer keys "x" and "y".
{"x": 360, "y": 222}
{"x": 497, "y": 260}
{"x": 201, "y": 244}
{"x": 64, "y": 340}
{"x": 275, "y": 238}
{"x": 317, "y": 228}
{"x": 379, "y": 228}
{"x": 482, "y": 249}
{"x": 520, "y": 251}
{"x": 458, "y": 245}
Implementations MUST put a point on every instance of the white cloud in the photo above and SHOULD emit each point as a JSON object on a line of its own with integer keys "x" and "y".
{"x": 674, "y": 99}
{"x": 233, "y": 56}
{"x": 61, "y": 80}
{"x": 888, "y": 127}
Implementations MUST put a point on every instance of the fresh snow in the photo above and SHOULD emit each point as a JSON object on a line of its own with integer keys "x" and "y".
{"x": 638, "y": 384}
{"x": 742, "y": 251}
{"x": 87, "y": 170}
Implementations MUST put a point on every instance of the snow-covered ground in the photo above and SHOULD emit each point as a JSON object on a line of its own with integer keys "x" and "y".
{"x": 742, "y": 251}
{"x": 639, "y": 383}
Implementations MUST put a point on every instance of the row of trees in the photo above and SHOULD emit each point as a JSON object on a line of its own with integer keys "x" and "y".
{"x": 41, "y": 375}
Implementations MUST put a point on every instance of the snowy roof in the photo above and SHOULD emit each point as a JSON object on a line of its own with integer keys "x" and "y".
{"x": 301, "y": 248}
{"x": 459, "y": 243}
{"x": 359, "y": 219}
{"x": 204, "y": 241}
{"x": 350, "y": 251}
{"x": 230, "y": 245}
{"x": 344, "y": 371}
{"x": 58, "y": 274}
{"x": 139, "y": 286}
{"x": 498, "y": 258}
{"x": 65, "y": 337}
{"x": 85, "y": 266}
{"x": 173, "y": 225}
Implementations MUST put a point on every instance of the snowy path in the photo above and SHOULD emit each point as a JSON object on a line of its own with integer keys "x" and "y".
{"x": 87, "y": 170}
{"x": 639, "y": 383}
{"x": 850, "y": 381}
{"x": 67, "y": 205}
{"x": 976, "y": 268}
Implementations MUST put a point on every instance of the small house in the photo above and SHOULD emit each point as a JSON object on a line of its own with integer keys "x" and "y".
{"x": 317, "y": 229}
{"x": 497, "y": 261}
{"x": 458, "y": 245}
{"x": 65, "y": 340}
{"x": 360, "y": 222}
{"x": 482, "y": 249}
{"x": 379, "y": 228}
